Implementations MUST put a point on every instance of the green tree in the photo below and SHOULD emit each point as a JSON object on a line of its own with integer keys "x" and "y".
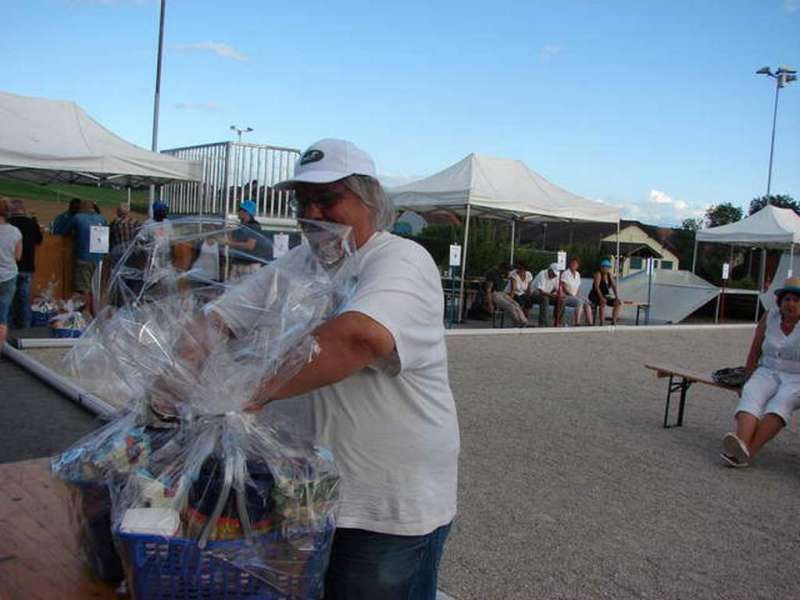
{"x": 779, "y": 200}
{"x": 692, "y": 224}
{"x": 722, "y": 214}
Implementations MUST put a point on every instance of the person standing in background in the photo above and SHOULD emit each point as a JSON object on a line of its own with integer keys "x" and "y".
{"x": 61, "y": 223}
{"x": 31, "y": 237}
{"x": 10, "y": 253}
{"x": 85, "y": 261}
{"x": 122, "y": 231}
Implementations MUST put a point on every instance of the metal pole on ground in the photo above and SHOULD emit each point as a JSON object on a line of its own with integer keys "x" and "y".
{"x": 761, "y": 280}
{"x": 513, "y": 239}
{"x": 619, "y": 264}
{"x": 463, "y": 267}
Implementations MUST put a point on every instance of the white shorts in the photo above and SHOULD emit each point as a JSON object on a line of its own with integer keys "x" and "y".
{"x": 769, "y": 391}
{"x": 574, "y": 300}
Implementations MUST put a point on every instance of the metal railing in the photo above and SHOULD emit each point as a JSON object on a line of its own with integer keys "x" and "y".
{"x": 233, "y": 172}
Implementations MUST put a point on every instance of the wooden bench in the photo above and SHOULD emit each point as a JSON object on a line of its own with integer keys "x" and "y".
{"x": 681, "y": 379}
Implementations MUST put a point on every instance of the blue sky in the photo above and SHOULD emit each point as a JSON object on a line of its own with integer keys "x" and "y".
{"x": 650, "y": 105}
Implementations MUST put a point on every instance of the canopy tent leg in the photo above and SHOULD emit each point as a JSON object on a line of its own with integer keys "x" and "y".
{"x": 694, "y": 253}
{"x": 513, "y": 239}
{"x": 463, "y": 267}
{"x": 619, "y": 262}
{"x": 762, "y": 278}
{"x": 129, "y": 198}
{"x": 791, "y": 261}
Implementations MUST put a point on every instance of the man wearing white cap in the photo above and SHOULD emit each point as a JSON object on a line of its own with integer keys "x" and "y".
{"x": 379, "y": 388}
{"x": 544, "y": 288}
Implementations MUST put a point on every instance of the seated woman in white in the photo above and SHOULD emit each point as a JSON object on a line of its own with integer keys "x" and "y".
{"x": 772, "y": 391}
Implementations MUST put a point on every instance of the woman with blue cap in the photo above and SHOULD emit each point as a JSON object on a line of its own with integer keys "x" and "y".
{"x": 248, "y": 243}
{"x": 604, "y": 293}
{"x": 772, "y": 391}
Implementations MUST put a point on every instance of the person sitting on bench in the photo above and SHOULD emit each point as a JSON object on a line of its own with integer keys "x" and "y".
{"x": 571, "y": 296}
{"x": 772, "y": 391}
{"x": 604, "y": 293}
{"x": 518, "y": 287}
{"x": 496, "y": 296}
{"x": 544, "y": 289}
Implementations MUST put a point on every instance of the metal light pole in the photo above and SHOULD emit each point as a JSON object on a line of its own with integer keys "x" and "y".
{"x": 157, "y": 95}
{"x": 783, "y": 76}
{"x": 239, "y": 131}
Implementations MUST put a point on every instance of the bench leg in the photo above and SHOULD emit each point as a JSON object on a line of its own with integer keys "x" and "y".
{"x": 675, "y": 386}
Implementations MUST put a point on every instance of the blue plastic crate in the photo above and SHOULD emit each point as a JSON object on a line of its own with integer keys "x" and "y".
{"x": 66, "y": 333}
{"x": 177, "y": 569}
{"x": 40, "y": 318}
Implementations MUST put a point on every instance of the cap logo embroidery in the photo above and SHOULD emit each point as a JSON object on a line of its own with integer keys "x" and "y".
{"x": 310, "y": 156}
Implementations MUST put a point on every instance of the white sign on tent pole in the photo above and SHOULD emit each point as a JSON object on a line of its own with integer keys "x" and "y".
{"x": 562, "y": 260}
{"x": 455, "y": 255}
{"x": 280, "y": 245}
{"x": 98, "y": 239}
{"x": 649, "y": 266}
{"x": 726, "y": 270}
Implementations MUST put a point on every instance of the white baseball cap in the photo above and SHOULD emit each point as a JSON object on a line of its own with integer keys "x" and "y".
{"x": 330, "y": 160}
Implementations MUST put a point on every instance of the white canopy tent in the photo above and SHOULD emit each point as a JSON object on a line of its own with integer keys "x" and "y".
{"x": 769, "y": 228}
{"x": 48, "y": 141}
{"x": 497, "y": 187}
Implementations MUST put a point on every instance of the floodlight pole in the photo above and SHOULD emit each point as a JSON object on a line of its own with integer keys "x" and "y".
{"x": 783, "y": 76}
{"x": 772, "y": 142}
{"x": 157, "y": 96}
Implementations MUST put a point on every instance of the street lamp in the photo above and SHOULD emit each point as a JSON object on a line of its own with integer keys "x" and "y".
{"x": 239, "y": 131}
{"x": 783, "y": 76}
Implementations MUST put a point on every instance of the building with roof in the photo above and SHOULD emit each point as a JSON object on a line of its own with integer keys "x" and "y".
{"x": 638, "y": 242}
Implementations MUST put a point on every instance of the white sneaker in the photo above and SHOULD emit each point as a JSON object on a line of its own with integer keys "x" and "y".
{"x": 736, "y": 449}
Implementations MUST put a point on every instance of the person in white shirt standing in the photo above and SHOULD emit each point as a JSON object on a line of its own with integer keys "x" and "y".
{"x": 10, "y": 253}
{"x": 544, "y": 289}
{"x": 379, "y": 391}
{"x": 571, "y": 293}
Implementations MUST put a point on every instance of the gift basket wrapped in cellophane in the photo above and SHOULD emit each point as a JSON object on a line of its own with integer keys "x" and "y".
{"x": 206, "y": 500}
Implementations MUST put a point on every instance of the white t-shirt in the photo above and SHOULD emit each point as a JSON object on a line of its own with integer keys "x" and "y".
{"x": 572, "y": 282}
{"x": 521, "y": 281}
{"x": 392, "y": 427}
{"x": 544, "y": 282}
{"x": 10, "y": 236}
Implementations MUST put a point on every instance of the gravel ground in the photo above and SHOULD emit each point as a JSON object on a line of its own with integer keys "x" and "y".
{"x": 570, "y": 487}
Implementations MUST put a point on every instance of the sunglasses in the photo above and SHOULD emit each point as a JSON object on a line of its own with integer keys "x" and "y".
{"x": 322, "y": 199}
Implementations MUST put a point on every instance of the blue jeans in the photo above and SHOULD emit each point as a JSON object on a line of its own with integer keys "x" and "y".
{"x": 22, "y": 301}
{"x": 366, "y": 565}
{"x": 6, "y": 298}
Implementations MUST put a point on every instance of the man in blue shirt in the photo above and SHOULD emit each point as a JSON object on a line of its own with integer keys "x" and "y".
{"x": 80, "y": 228}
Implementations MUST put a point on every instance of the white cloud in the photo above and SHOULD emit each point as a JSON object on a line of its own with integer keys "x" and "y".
{"x": 791, "y": 5}
{"x": 549, "y": 51}
{"x": 218, "y": 48}
{"x": 201, "y": 106}
{"x": 659, "y": 208}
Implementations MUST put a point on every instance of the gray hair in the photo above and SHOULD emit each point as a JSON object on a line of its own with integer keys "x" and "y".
{"x": 371, "y": 193}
